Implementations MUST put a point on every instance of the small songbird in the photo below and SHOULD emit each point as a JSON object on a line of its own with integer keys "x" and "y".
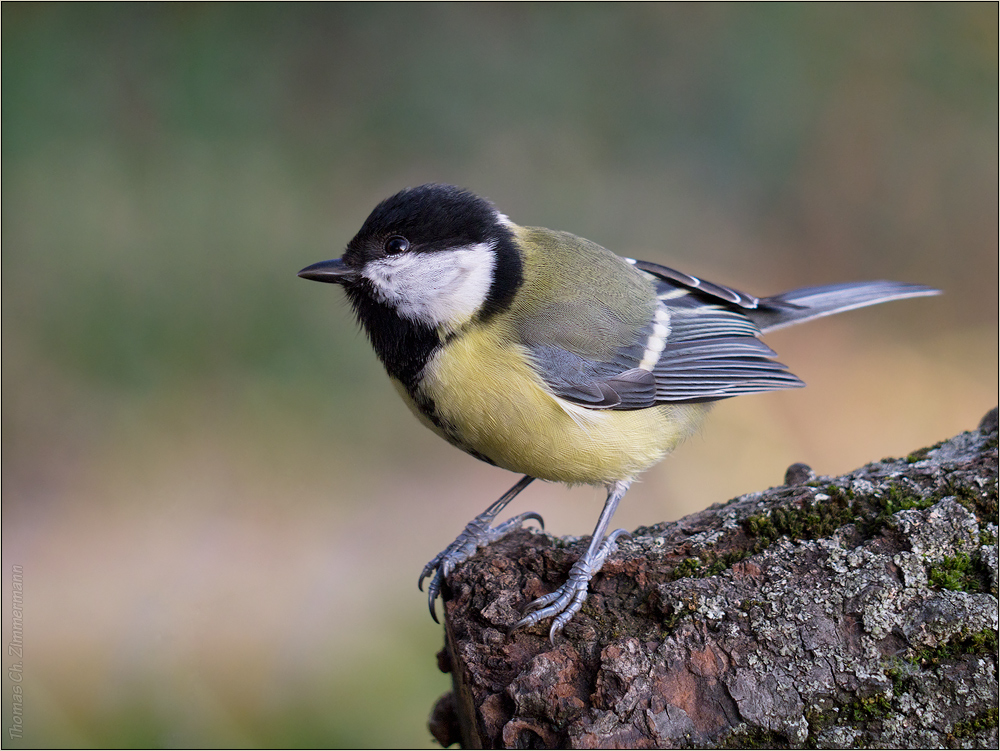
{"x": 545, "y": 354}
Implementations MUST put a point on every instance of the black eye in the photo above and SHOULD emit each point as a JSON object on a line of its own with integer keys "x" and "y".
{"x": 396, "y": 244}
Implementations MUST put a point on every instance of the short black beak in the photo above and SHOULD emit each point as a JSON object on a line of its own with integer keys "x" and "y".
{"x": 333, "y": 272}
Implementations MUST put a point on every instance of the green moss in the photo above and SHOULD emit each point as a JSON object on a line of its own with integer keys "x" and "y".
{"x": 669, "y": 623}
{"x": 761, "y": 526}
{"x": 919, "y": 454}
{"x": 859, "y": 711}
{"x": 818, "y": 519}
{"x": 959, "y": 573}
{"x": 980, "y": 501}
{"x": 867, "y": 708}
{"x": 905, "y": 674}
{"x": 982, "y": 642}
{"x": 708, "y": 564}
{"x": 812, "y": 520}
{"x": 754, "y": 737}
{"x": 726, "y": 561}
{"x": 689, "y": 567}
{"x": 871, "y": 514}
{"x": 966, "y": 643}
{"x": 895, "y": 499}
{"x": 901, "y": 673}
{"x": 975, "y": 724}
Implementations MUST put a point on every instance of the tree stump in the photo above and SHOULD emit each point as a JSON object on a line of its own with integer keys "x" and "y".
{"x": 835, "y": 611}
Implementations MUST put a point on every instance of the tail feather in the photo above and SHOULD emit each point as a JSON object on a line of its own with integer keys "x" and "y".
{"x": 805, "y": 304}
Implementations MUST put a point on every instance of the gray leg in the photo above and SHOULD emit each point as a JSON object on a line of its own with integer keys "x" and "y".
{"x": 566, "y": 601}
{"x": 477, "y": 534}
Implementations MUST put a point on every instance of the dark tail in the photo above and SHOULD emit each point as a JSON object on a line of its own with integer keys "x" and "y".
{"x": 802, "y": 305}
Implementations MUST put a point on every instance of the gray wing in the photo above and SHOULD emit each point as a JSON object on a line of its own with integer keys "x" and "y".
{"x": 712, "y": 350}
{"x": 698, "y": 346}
{"x": 598, "y": 385}
{"x": 702, "y": 344}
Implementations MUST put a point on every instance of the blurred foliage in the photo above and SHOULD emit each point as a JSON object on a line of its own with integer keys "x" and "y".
{"x": 167, "y": 168}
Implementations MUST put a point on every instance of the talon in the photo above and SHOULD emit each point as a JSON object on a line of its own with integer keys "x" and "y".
{"x": 554, "y": 631}
{"x": 613, "y": 537}
{"x": 537, "y": 517}
{"x": 423, "y": 575}
{"x": 477, "y": 534}
{"x": 565, "y": 602}
{"x": 431, "y": 602}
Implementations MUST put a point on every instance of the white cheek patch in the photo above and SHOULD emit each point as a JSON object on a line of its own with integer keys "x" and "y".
{"x": 440, "y": 288}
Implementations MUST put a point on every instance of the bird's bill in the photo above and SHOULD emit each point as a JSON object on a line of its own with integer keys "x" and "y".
{"x": 332, "y": 272}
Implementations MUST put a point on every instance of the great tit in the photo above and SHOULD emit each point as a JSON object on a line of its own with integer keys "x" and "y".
{"x": 545, "y": 354}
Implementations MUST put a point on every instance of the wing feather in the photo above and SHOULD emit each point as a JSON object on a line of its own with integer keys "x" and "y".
{"x": 699, "y": 345}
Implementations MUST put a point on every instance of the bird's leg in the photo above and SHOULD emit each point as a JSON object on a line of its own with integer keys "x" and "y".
{"x": 477, "y": 534}
{"x": 564, "y": 603}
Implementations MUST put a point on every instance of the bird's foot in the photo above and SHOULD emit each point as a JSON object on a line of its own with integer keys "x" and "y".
{"x": 477, "y": 534}
{"x": 566, "y": 601}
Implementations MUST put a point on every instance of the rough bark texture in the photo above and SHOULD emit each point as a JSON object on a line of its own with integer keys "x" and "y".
{"x": 849, "y": 611}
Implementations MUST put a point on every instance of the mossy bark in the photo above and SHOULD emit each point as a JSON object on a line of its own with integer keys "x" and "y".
{"x": 849, "y": 611}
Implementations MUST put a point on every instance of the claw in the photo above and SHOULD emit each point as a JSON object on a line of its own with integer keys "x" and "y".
{"x": 565, "y": 602}
{"x": 425, "y": 573}
{"x": 432, "y": 593}
{"x": 477, "y": 534}
{"x": 530, "y": 515}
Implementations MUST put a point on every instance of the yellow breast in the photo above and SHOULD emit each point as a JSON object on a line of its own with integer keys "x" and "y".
{"x": 488, "y": 400}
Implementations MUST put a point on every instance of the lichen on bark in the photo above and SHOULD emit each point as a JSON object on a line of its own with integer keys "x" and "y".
{"x": 848, "y": 611}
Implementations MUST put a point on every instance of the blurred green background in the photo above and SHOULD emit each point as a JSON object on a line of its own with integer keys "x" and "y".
{"x": 220, "y": 505}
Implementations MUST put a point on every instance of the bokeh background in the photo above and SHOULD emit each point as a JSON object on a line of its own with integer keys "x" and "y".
{"x": 220, "y": 505}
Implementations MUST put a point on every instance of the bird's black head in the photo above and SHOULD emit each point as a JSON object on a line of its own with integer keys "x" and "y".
{"x": 425, "y": 262}
{"x": 437, "y": 218}
{"x": 431, "y": 217}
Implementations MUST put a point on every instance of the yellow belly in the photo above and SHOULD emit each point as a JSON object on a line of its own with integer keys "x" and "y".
{"x": 492, "y": 403}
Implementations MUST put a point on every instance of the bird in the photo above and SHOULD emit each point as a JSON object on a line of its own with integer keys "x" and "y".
{"x": 548, "y": 355}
